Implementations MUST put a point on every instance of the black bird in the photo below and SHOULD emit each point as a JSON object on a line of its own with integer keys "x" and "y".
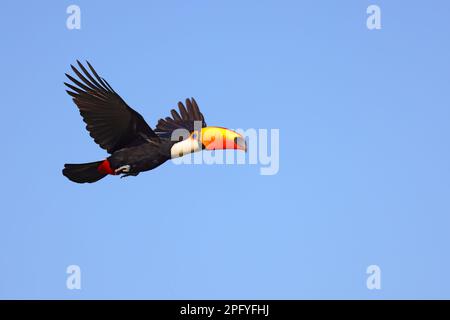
{"x": 133, "y": 146}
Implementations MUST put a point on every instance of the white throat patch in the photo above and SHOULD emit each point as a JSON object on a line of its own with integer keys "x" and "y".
{"x": 184, "y": 147}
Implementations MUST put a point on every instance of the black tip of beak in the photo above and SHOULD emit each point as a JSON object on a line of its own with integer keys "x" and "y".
{"x": 241, "y": 143}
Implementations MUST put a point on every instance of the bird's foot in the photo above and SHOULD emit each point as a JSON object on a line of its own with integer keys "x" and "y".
{"x": 123, "y": 169}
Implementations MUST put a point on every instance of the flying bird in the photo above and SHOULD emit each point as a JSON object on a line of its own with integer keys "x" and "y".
{"x": 133, "y": 145}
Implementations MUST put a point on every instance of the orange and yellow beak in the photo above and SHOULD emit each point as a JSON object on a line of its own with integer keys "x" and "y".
{"x": 217, "y": 138}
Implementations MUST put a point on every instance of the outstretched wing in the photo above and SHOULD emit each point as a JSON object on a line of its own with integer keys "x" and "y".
{"x": 110, "y": 121}
{"x": 185, "y": 119}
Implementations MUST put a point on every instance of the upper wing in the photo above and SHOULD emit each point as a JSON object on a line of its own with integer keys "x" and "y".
{"x": 184, "y": 120}
{"x": 110, "y": 121}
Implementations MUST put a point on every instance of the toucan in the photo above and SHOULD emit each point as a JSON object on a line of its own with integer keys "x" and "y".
{"x": 133, "y": 145}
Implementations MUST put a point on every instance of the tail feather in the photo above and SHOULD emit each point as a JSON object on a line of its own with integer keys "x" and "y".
{"x": 83, "y": 172}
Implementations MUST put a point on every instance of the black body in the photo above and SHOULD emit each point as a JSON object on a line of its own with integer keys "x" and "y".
{"x": 120, "y": 130}
{"x": 143, "y": 157}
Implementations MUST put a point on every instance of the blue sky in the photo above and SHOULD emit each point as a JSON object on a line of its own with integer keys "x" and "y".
{"x": 364, "y": 151}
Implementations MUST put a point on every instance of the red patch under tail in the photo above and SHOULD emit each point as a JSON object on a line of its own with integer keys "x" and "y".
{"x": 105, "y": 168}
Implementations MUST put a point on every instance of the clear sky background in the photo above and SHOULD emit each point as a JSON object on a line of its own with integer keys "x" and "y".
{"x": 364, "y": 151}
